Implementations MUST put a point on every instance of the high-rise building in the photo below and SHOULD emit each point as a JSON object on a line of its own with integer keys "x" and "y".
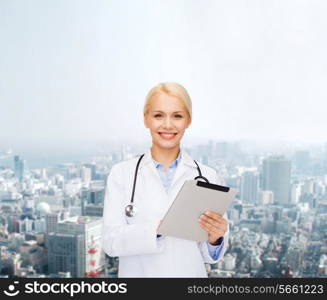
{"x": 229, "y": 262}
{"x": 77, "y": 234}
{"x": 17, "y": 166}
{"x": 66, "y": 253}
{"x": 92, "y": 201}
{"x": 20, "y": 167}
{"x": 265, "y": 197}
{"x": 295, "y": 193}
{"x": 302, "y": 161}
{"x": 92, "y": 167}
{"x": 86, "y": 174}
{"x": 250, "y": 186}
{"x": 94, "y": 195}
{"x": 276, "y": 177}
{"x": 51, "y": 221}
{"x": 308, "y": 186}
{"x": 294, "y": 258}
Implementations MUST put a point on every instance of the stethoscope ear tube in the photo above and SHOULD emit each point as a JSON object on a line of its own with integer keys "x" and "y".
{"x": 200, "y": 174}
{"x": 135, "y": 177}
{"x": 130, "y": 209}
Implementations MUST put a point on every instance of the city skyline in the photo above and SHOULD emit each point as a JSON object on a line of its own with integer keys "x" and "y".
{"x": 48, "y": 155}
{"x": 277, "y": 221}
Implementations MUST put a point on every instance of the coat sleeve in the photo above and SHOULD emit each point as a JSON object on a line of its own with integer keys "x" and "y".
{"x": 118, "y": 237}
{"x": 204, "y": 246}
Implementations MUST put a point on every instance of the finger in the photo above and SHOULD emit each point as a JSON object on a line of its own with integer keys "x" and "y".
{"x": 210, "y": 228}
{"x": 216, "y": 217}
{"x": 213, "y": 221}
{"x": 214, "y": 226}
{"x": 208, "y": 220}
{"x": 220, "y": 221}
{"x": 207, "y": 227}
{"x": 213, "y": 234}
{"x": 213, "y": 214}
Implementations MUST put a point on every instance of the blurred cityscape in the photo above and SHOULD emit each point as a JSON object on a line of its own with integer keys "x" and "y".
{"x": 51, "y": 218}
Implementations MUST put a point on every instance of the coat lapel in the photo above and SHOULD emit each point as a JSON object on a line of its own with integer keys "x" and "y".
{"x": 148, "y": 162}
{"x": 186, "y": 164}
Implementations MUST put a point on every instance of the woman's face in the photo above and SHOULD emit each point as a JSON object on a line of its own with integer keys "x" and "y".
{"x": 167, "y": 119}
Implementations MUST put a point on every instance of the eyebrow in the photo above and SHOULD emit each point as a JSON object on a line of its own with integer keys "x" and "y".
{"x": 179, "y": 111}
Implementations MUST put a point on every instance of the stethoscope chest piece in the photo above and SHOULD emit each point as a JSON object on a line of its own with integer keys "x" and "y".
{"x": 130, "y": 210}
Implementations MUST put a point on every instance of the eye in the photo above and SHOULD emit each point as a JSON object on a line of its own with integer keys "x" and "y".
{"x": 178, "y": 116}
{"x": 158, "y": 115}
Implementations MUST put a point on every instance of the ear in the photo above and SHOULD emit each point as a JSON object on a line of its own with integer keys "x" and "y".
{"x": 189, "y": 123}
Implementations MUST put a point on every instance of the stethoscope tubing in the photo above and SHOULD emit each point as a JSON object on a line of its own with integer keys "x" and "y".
{"x": 130, "y": 208}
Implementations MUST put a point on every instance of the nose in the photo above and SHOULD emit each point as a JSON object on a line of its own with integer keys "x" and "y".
{"x": 168, "y": 123}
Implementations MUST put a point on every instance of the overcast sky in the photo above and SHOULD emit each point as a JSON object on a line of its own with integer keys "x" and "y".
{"x": 79, "y": 70}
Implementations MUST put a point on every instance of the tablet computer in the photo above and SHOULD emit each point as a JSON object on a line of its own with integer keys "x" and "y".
{"x": 194, "y": 199}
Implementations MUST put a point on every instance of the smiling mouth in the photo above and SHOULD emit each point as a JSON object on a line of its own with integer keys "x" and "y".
{"x": 167, "y": 135}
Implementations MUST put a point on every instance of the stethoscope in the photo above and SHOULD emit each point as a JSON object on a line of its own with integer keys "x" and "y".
{"x": 130, "y": 209}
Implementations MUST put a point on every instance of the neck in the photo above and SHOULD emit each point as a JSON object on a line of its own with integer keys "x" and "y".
{"x": 164, "y": 156}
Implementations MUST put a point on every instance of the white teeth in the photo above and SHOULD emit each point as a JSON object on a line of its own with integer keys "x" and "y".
{"x": 168, "y": 135}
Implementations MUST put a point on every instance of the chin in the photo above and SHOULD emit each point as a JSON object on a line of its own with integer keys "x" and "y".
{"x": 167, "y": 145}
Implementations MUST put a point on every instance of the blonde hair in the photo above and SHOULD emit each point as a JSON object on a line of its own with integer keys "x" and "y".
{"x": 171, "y": 89}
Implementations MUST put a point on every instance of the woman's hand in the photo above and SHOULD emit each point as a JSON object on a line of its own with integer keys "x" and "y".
{"x": 214, "y": 224}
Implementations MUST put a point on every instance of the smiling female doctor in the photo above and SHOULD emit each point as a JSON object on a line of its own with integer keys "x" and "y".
{"x": 160, "y": 175}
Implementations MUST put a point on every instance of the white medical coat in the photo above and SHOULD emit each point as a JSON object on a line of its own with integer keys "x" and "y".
{"x": 134, "y": 239}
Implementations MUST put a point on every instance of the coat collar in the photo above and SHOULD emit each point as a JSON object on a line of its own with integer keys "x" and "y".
{"x": 186, "y": 159}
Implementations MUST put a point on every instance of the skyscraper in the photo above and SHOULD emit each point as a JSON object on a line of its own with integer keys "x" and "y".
{"x": 302, "y": 161}
{"x": 20, "y": 167}
{"x": 276, "y": 177}
{"x": 250, "y": 186}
